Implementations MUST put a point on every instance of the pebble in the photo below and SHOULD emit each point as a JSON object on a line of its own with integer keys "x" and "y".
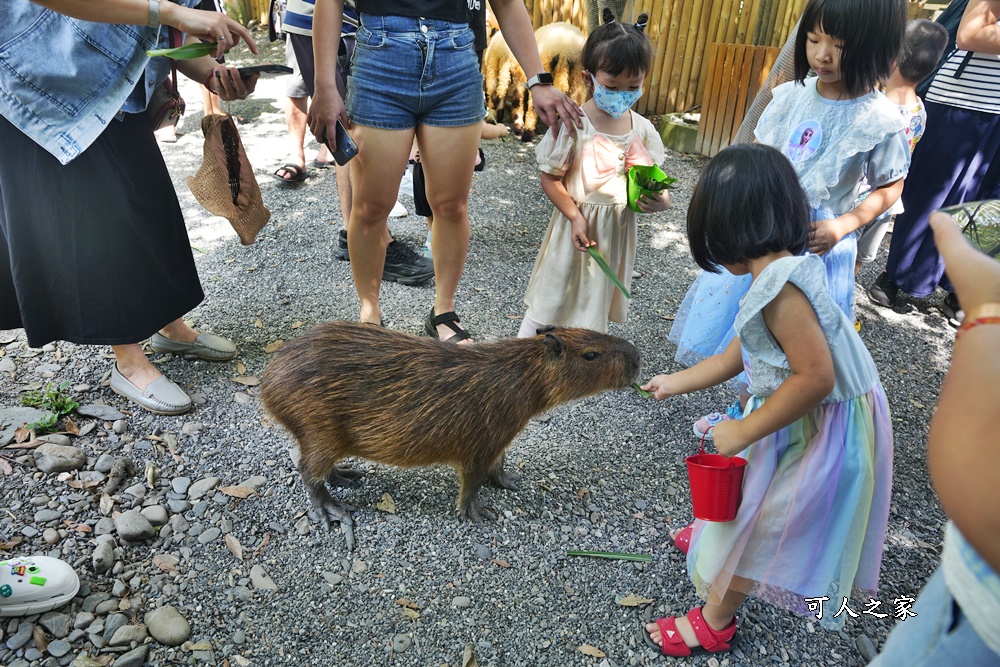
{"x": 359, "y": 567}
{"x": 50, "y": 458}
{"x": 261, "y": 580}
{"x": 51, "y": 536}
{"x": 118, "y": 426}
{"x": 242, "y": 398}
{"x": 401, "y": 642}
{"x": 866, "y": 647}
{"x": 98, "y": 411}
{"x": 125, "y": 635}
{"x": 157, "y": 515}
{"x": 192, "y": 428}
{"x": 103, "y": 557}
{"x": 56, "y": 623}
{"x": 482, "y": 551}
{"x": 82, "y": 620}
{"x": 332, "y": 578}
{"x": 137, "y": 491}
{"x": 201, "y": 487}
{"x": 58, "y": 648}
{"x": 209, "y": 535}
{"x": 180, "y": 484}
{"x": 21, "y": 637}
{"x": 104, "y": 463}
{"x": 461, "y": 602}
{"x": 55, "y": 439}
{"x": 134, "y": 658}
{"x": 134, "y": 527}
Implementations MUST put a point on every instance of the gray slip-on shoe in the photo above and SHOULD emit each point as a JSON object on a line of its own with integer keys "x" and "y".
{"x": 161, "y": 396}
{"x": 206, "y": 346}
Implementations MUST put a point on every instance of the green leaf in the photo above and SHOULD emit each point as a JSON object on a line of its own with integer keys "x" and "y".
{"x": 186, "y": 52}
{"x": 647, "y": 394}
{"x": 613, "y": 555}
{"x": 612, "y": 276}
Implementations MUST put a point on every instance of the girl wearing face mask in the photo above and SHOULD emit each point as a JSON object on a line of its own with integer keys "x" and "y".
{"x": 584, "y": 172}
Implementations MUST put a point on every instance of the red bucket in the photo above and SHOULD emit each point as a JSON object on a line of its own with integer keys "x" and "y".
{"x": 716, "y": 485}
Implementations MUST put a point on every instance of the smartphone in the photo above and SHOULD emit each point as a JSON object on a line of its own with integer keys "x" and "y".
{"x": 344, "y": 149}
{"x": 264, "y": 70}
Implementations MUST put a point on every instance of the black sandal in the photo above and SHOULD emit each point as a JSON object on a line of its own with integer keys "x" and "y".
{"x": 449, "y": 319}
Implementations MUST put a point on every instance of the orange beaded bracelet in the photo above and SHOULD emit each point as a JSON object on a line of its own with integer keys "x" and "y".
{"x": 987, "y": 313}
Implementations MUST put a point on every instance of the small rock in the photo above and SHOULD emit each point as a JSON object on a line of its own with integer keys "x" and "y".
{"x": 83, "y": 619}
{"x": 303, "y": 526}
{"x": 401, "y": 642}
{"x": 137, "y": 491}
{"x": 51, "y": 458}
{"x": 209, "y": 535}
{"x": 180, "y": 484}
{"x": 261, "y": 580}
{"x": 482, "y": 551}
{"x": 51, "y": 536}
{"x": 155, "y": 514}
{"x": 202, "y": 486}
{"x": 866, "y": 647}
{"x": 242, "y": 398}
{"x": 134, "y": 658}
{"x": 254, "y": 481}
{"x": 239, "y": 637}
{"x": 134, "y": 527}
{"x": 118, "y": 426}
{"x": 103, "y": 557}
{"x": 55, "y": 439}
{"x": 56, "y": 623}
{"x": 192, "y": 428}
{"x": 46, "y": 515}
{"x": 97, "y": 411}
{"x": 104, "y": 463}
{"x": 21, "y": 637}
{"x": 359, "y": 567}
{"x": 58, "y": 648}
{"x": 333, "y": 579}
{"x": 127, "y": 634}
{"x": 461, "y": 602}
{"x": 167, "y": 626}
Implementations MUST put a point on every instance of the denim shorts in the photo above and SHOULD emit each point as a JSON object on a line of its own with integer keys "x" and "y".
{"x": 413, "y": 71}
{"x": 938, "y": 635}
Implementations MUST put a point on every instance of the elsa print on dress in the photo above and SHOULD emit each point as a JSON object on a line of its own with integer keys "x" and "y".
{"x": 804, "y": 141}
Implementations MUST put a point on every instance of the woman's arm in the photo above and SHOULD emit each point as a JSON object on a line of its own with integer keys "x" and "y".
{"x": 827, "y": 233}
{"x": 963, "y": 446}
{"x": 551, "y": 104}
{"x": 556, "y": 191}
{"x": 792, "y": 321}
{"x": 210, "y": 26}
{"x": 327, "y": 105}
{"x": 978, "y": 30}
{"x": 708, "y": 373}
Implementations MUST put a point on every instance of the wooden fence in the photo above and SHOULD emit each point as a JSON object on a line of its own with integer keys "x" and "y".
{"x": 735, "y": 74}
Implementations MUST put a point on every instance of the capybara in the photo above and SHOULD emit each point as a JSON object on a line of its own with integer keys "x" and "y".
{"x": 348, "y": 389}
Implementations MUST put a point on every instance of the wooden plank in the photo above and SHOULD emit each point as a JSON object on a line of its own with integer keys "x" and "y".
{"x": 743, "y": 79}
{"x": 684, "y": 83}
{"x": 709, "y": 106}
{"x": 677, "y": 62}
{"x": 724, "y": 83}
{"x": 668, "y": 54}
{"x": 748, "y": 18}
{"x": 700, "y": 56}
{"x": 735, "y": 57}
{"x": 661, "y": 10}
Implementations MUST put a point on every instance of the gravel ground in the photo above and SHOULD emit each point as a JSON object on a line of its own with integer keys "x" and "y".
{"x": 422, "y": 588}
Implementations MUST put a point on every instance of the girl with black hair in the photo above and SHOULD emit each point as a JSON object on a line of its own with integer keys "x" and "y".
{"x": 855, "y": 134}
{"x": 583, "y": 172}
{"x": 817, "y": 433}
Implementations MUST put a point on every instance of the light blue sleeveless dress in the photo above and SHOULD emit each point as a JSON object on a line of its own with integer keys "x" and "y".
{"x": 846, "y": 143}
{"x": 815, "y": 507}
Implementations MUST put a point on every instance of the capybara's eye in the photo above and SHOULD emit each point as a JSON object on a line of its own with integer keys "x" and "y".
{"x": 590, "y": 356}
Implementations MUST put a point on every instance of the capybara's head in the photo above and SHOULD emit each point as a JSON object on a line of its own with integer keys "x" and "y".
{"x": 581, "y": 362}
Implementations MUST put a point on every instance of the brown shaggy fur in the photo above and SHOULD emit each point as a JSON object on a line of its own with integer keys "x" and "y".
{"x": 347, "y": 389}
{"x": 560, "y": 46}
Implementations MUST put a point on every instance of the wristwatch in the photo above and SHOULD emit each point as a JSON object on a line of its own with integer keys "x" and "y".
{"x": 544, "y": 78}
{"x": 154, "y": 14}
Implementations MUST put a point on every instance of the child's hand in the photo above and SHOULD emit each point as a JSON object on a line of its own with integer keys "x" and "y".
{"x": 824, "y": 235}
{"x": 580, "y": 240}
{"x": 654, "y": 203}
{"x": 662, "y": 386}
{"x": 728, "y": 437}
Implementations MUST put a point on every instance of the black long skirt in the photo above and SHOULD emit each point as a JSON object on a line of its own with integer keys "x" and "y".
{"x": 93, "y": 252}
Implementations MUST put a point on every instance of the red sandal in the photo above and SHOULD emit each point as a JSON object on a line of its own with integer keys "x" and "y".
{"x": 682, "y": 540}
{"x": 712, "y": 641}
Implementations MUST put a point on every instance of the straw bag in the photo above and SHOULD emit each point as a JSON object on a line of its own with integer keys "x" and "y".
{"x": 225, "y": 184}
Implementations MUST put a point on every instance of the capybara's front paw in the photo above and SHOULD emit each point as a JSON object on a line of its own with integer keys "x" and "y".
{"x": 476, "y": 511}
{"x": 504, "y": 480}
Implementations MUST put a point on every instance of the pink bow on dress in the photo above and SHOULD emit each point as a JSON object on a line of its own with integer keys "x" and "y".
{"x": 607, "y": 157}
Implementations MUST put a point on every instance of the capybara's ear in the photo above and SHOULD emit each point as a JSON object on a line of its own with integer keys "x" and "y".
{"x": 607, "y": 16}
{"x": 554, "y": 345}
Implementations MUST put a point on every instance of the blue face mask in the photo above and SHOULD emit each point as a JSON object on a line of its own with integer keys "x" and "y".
{"x": 614, "y": 102}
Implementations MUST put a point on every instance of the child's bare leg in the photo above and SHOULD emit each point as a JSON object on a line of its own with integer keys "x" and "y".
{"x": 718, "y": 615}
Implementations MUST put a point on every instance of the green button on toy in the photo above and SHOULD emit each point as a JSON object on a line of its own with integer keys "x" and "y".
{"x": 37, "y": 581}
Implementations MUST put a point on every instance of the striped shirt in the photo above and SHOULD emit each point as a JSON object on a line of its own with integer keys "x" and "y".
{"x": 299, "y": 17}
{"x": 977, "y": 87}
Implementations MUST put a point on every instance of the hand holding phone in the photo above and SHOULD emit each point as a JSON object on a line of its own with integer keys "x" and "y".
{"x": 344, "y": 149}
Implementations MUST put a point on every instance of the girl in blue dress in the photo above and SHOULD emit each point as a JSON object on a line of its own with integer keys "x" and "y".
{"x": 817, "y": 434}
{"x": 838, "y": 131}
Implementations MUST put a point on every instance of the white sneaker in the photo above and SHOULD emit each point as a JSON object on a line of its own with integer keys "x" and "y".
{"x": 398, "y": 211}
{"x": 406, "y": 183}
{"x": 35, "y": 584}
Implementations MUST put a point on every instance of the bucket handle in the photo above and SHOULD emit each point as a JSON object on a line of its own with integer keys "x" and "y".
{"x": 701, "y": 449}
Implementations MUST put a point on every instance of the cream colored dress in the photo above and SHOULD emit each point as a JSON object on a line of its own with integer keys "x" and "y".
{"x": 567, "y": 288}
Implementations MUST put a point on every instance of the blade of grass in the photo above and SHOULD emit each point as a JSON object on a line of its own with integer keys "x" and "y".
{"x": 186, "y": 52}
{"x": 647, "y": 394}
{"x": 612, "y": 276}
{"x": 613, "y": 555}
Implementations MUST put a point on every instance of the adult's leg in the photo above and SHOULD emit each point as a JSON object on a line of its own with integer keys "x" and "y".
{"x": 344, "y": 191}
{"x": 296, "y": 111}
{"x": 950, "y": 166}
{"x": 381, "y": 159}
{"x": 448, "y": 155}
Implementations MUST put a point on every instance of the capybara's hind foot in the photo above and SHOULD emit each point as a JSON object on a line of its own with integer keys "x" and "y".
{"x": 330, "y": 510}
{"x": 473, "y": 510}
{"x": 344, "y": 476}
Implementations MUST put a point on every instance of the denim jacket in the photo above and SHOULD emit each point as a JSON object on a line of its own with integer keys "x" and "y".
{"x": 62, "y": 80}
